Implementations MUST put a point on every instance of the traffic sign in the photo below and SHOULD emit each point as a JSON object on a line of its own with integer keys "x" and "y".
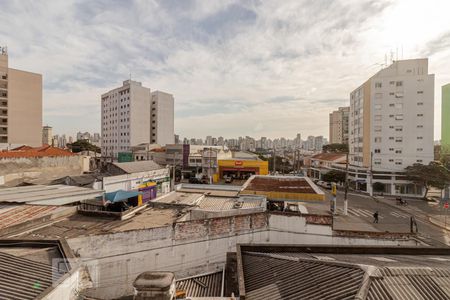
{"x": 446, "y": 205}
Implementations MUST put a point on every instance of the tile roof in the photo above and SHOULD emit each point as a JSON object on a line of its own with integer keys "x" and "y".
{"x": 21, "y": 278}
{"x": 26, "y": 152}
{"x": 291, "y": 184}
{"x": 206, "y": 285}
{"x": 138, "y": 166}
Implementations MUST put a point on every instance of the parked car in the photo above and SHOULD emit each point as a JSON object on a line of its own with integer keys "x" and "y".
{"x": 324, "y": 184}
{"x": 228, "y": 179}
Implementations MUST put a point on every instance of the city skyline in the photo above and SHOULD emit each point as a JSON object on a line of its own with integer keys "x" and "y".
{"x": 286, "y": 82}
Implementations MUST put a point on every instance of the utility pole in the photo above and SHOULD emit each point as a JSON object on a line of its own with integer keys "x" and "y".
{"x": 173, "y": 172}
{"x": 274, "y": 159}
{"x": 371, "y": 174}
{"x": 346, "y": 187}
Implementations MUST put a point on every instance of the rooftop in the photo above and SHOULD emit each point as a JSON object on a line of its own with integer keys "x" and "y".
{"x": 329, "y": 156}
{"x": 138, "y": 166}
{"x": 204, "y": 285}
{"x": 28, "y": 152}
{"x": 47, "y": 194}
{"x": 343, "y": 272}
{"x": 81, "y": 225}
{"x": 227, "y": 203}
{"x": 287, "y": 184}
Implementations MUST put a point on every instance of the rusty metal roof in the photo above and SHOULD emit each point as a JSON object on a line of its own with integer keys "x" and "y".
{"x": 286, "y": 184}
{"x": 206, "y": 285}
{"x": 11, "y": 215}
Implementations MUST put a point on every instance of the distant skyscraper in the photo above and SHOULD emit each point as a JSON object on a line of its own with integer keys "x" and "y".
{"x": 20, "y": 105}
{"x": 445, "y": 122}
{"x": 339, "y": 126}
{"x": 318, "y": 143}
{"x": 47, "y": 135}
{"x": 209, "y": 140}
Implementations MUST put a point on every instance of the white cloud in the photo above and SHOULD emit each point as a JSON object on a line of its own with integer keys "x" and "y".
{"x": 226, "y": 58}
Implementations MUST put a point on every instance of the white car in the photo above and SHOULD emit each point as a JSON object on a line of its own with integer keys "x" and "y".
{"x": 324, "y": 184}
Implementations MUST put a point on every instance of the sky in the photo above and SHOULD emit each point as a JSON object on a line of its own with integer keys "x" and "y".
{"x": 235, "y": 68}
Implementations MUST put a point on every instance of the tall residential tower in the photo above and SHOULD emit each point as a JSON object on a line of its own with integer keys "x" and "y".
{"x": 391, "y": 123}
{"x": 20, "y": 105}
{"x": 445, "y": 122}
{"x": 339, "y": 126}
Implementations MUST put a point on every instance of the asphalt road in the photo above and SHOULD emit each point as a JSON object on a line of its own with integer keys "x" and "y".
{"x": 392, "y": 217}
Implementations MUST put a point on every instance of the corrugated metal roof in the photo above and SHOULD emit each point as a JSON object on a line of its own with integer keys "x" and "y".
{"x": 269, "y": 277}
{"x": 22, "y": 278}
{"x": 15, "y": 214}
{"x": 138, "y": 166}
{"x": 48, "y": 194}
{"x": 206, "y": 285}
{"x": 222, "y": 203}
{"x": 179, "y": 198}
{"x": 409, "y": 283}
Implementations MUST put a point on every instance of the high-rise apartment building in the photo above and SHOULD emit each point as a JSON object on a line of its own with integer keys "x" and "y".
{"x": 125, "y": 118}
{"x": 47, "y": 135}
{"x": 391, "y": 124}
{"x": 318, "y": 143}
{"x": 339, "y": 125}
{"x": 445, "y": 120}
{"x": 20, "y": 105}
{"x": 132, "y": 115}
{"x": 162, "y": 118}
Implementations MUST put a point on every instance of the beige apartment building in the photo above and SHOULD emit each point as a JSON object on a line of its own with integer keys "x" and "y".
{"x": 339, "y": 126}
{"x": 20, "y": 105}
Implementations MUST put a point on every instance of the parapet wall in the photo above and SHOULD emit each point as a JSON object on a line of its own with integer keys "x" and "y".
{"x": 42, "y": 168}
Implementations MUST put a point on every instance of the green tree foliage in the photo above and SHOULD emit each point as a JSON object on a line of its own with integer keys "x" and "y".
{"x": 334, "y": 176}
{"x": 435, "y": 174}
{"x": 83, "y": 145}
{"x": 336, "y": 148}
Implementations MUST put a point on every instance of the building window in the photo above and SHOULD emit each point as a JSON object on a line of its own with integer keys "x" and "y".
{"x": 419, "y": 149}
{"x": 419, "y": 103}
{"x": 399, "y": 139}
{"x": 391, "y": 137}
{"x": 419, "y": 126}
{"x": 378, "y": 84}
{"x": 377, "y": 129}
{"x": 398, "y": 151}
{"x": 377, "y": 161}
{"x": 420, "y": 115}
{"x": 399, "y": 83}
{"x": 391, "y": 116}
{"x": 392, "y": 82}
{"x": 398, "y": 162}
{"x": 391, "y": 94}
{"x": 391, "y": 160}
{"x": 419, "y": 160}
{"x": 391, "y": 149}
{"x": 420, "y": 138}
{"x": 391, "y": 105}
{"x": 377, "y": 140}
{"x": 399, "y": 128}
{"x": 377, "y": 151}
{"x": 419, "y": 92}
{"x": 399, "y": 117}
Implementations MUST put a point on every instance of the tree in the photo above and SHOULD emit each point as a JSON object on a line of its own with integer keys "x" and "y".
{"x": 83, "y": 145}
{"x": 378, "y": 187}
{"x": 435, "y": 174}
{"x": 337, "y": 148}
{"x": 334, "y": 176}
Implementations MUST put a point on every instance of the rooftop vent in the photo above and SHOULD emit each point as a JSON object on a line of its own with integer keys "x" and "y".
{"x": 154, "y": 286}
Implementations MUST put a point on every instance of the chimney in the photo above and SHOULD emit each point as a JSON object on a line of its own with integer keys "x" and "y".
{"x": 154, "y": 286}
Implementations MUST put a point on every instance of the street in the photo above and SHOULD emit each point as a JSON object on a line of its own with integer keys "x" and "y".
{"x": 392, "y": 217}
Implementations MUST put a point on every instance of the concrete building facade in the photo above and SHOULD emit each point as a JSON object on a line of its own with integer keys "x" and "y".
{"x": 391, "y": 121}
{"x": 339, "y": 125}
{"x": 162, "y": 118}
{"x": 132, "y": 115}
{"x": 445, "y": 122}
{"x": 125, "y": 118}
{"x": 20, "y": 105}
{"x": 47, "y": 136}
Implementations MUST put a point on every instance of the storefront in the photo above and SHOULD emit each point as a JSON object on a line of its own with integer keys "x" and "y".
{"x": 242, "y": 169}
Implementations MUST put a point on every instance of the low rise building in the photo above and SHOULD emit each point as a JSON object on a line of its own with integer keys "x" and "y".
{"x": 322, "y": 163}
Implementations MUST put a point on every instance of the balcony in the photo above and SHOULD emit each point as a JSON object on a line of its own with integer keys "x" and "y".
{"x": 3, "y": 94}
{"x": 3, "y": 139}
{"x": 3, "y": 113}
{"x": 3, "y": 104}
{"x": 3, "y": 76}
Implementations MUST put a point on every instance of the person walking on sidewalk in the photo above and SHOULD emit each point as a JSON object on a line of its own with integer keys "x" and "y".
{"x": 375, "y": 217}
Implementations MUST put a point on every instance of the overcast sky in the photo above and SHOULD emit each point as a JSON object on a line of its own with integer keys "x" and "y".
{"x": 258, "y": 68}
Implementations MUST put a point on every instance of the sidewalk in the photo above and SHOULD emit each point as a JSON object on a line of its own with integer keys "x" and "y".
{"x": 439, "y": 221}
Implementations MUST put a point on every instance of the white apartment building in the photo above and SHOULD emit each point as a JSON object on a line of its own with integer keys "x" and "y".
{"x": 132, "y": 115}
{"x": 339, "y": 125}
{"x": 391, "y": 125}
{"x": 125, "y": 118}
{"x": 162, "y": 118}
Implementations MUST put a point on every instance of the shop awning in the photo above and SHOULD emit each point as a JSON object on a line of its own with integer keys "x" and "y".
{"x": 121, "y": 195}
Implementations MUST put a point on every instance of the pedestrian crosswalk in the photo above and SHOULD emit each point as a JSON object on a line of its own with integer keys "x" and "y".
{"x": 361, "y": 212}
